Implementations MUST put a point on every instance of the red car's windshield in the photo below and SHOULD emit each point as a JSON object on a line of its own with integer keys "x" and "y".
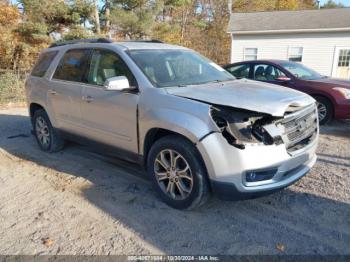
{"x": 300, "y": 71}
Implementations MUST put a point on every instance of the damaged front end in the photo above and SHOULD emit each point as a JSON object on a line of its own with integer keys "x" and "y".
{"x": 241, "y": 127}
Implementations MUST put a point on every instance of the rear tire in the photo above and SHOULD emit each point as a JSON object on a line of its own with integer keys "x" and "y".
{"x": 325, "y": 110}
{"x": 178, "y": 173}
{"x": 49, "y": 139}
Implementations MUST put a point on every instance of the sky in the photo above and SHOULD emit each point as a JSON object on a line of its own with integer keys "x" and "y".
{"x": 344, "y": 2}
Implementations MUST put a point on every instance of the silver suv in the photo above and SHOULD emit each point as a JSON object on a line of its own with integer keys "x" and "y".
{"x": 194, "y": 127}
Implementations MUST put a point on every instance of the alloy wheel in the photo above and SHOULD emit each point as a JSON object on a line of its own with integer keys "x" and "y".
{"x": 173, "y": 174}
{"x": 42, "y": 131}
{"x": 322, "y": 111}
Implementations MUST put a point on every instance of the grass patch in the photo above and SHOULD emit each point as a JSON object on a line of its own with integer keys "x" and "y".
{"x": 11, "y": 87}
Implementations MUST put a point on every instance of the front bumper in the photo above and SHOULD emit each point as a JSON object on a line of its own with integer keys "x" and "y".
{"x": 227, "y": 166}
{"x": 342, "y": 110}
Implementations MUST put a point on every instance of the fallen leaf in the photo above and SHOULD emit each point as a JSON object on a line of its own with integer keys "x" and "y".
{"x": 47, "y": 242}
{"x": 281, "y": 247}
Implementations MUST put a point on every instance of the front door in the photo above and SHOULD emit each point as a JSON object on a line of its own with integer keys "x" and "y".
{"x": 269, "y": 73}
{"x": 343, "y": 64}
{"x": 109, "y": 117}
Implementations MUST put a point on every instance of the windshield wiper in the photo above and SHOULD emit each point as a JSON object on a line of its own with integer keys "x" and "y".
{"x": 215, "y": 81}
{"x": 203, "y": 83}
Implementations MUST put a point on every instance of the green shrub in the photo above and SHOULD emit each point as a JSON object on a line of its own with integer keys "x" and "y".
{"x": 11, "y": 87}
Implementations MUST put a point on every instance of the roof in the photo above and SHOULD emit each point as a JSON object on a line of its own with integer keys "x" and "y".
{"x": 147, "y": 45}
{"x": 290, "y": 21}
{"x": 130, "y": 45}
{"x": 269, "y": 61}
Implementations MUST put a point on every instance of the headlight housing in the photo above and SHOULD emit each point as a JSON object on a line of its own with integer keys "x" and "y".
{"x": 242, "y": 127}
{"x": 344, "y": 91}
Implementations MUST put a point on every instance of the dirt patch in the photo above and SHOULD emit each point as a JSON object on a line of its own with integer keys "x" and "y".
{"x": 13, "y": 105}
{"x": 79, "y": 202}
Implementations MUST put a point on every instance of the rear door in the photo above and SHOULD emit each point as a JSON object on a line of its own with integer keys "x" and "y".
{"x": 109, "y": 117}
{"x": 66, "y": 89}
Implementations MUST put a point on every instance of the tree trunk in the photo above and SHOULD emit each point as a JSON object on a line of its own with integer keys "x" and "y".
{"x": 108, "y": 13}
{"x": 184, "y": 23}
{"x": 97, "y": 18}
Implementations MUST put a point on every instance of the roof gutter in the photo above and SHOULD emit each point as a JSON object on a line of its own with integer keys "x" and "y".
{"x": 286, "y": 31}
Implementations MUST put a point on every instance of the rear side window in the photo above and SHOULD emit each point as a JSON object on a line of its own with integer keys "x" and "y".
{"x": 73, "y": 65}
{"x": 43, "y": 63}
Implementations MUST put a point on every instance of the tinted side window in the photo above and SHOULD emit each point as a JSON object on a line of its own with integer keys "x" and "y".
{"x": 240, "y": 71}
{"x": 106, "y": 64}
{"x": 264, "y": 72}
{"x": 43, "y": 63}
{"x": 73, "y": 65}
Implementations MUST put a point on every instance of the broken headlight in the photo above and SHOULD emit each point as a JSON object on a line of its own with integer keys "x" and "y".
{"x": 242, "y": 127}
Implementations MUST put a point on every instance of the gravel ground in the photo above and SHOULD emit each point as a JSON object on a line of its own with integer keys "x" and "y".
{"x": 78, "y": 202}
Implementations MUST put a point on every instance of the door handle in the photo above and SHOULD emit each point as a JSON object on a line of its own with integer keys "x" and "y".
{"x": 87, "y": 99}
{"x": 52, "y": 92}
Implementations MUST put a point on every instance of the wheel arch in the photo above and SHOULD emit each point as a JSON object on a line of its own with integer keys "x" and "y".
{"x": 330, "y": 99}
{"x": 153, "y": 135}
{"x": 33, "y": 107}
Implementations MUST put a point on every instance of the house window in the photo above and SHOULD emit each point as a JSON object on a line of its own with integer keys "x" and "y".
{"x": 344, "y": 58}
{"x": 295, "y": 54}
{"x": 250, "y": 54}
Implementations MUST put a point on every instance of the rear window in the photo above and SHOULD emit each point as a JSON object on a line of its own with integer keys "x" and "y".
{"x": 43, "y": 63}
{"x": 73, "y": 65}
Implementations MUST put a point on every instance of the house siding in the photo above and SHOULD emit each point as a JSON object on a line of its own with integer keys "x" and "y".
{"x": 318, "y": 48}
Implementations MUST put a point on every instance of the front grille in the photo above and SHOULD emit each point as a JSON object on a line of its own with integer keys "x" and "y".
{"x": 300, "y": 128}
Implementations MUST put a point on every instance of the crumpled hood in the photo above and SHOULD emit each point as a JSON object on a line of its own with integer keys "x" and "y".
{"x": 246, "y": 94}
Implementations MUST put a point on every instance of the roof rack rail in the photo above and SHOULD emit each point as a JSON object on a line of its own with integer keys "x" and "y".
{"x": 147, "y": 41}
{"x": 78, "y": 41}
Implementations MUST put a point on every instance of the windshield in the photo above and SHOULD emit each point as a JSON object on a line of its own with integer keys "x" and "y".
{"x": 302, "y": 72}
{"x": 166, "y": 68}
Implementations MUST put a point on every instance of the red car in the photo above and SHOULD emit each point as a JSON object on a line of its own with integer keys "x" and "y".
{"x": 332, "y": 95}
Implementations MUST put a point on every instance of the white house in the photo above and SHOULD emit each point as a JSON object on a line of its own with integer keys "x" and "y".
{"x": 320, "y": 39}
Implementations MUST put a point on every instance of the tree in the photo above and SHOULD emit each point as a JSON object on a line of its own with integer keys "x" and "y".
{"x": 9, "y": 18}
{"x": 57, "y": 15}
{"x": 134, "y": 18}
{"x": 332, "y": 4}
{"x": 29, "y": 31}
{"x": 271, "y": 5}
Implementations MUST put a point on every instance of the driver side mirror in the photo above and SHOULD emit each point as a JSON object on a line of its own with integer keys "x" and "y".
{"x": 282, "y": 79}
{"x": 118, "y": 83}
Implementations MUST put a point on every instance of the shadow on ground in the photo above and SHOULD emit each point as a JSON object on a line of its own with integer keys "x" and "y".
{"x": 305, "y": 223}
{"x": 338, "y": 128}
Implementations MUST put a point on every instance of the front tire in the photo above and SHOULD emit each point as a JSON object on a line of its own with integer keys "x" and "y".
{"x": 48, "y": 138}
{"x": 178, "y": 173}
{"x": 325, "y": 110}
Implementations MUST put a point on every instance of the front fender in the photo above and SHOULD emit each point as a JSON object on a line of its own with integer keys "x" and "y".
{"x": 186, "y": 124}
